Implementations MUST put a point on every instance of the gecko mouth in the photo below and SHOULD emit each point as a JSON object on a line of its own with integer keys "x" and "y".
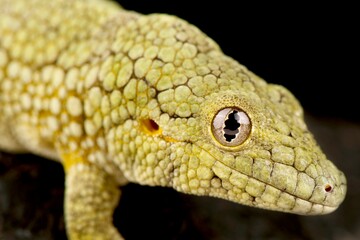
{"x": 325, "y": 198}
{"x": 300, "y": 206}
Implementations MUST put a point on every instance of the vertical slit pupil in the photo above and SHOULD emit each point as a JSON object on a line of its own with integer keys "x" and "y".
{"x": 232, "y": 125}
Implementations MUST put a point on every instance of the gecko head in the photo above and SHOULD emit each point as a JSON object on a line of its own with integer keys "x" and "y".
{"x": 252, "y": 147}
{"x": 208, "y": 126}
{"x": 260, "y": 153}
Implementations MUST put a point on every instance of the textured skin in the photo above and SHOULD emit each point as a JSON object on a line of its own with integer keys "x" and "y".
{"x": 117, "y": 96}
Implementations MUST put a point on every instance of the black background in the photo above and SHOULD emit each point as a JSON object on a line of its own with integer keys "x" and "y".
{"x": 312, "y": 50}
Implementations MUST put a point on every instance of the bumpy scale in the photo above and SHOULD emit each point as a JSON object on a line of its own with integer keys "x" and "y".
{"x": 117, "y": 96}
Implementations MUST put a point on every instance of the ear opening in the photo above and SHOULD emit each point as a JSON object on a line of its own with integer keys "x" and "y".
{"x": 149, "y": 126}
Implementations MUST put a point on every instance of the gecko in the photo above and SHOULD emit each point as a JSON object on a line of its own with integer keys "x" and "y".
{"x": 116, "y": 97}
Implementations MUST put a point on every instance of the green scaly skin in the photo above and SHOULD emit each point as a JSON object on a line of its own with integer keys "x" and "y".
{"x": 117, "y": 96}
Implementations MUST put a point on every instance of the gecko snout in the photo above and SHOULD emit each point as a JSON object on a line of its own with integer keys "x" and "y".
{"x": 329, "y": 192}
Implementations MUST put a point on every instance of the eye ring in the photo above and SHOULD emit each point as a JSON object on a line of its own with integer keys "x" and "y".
{"x": 231, "y": 126}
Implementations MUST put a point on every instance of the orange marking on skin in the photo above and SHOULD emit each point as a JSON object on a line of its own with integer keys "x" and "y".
{"x": 169, "y": 139}
{"x": 71, "y": 159}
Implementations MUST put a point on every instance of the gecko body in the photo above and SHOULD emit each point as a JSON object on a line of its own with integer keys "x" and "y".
{"x": 119, "y": 97}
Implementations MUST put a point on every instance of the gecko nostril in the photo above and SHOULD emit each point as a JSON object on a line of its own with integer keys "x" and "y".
{"x": 328, "y": 188}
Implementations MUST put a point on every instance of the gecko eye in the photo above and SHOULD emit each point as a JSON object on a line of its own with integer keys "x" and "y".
{"x": 231, "y": 126}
